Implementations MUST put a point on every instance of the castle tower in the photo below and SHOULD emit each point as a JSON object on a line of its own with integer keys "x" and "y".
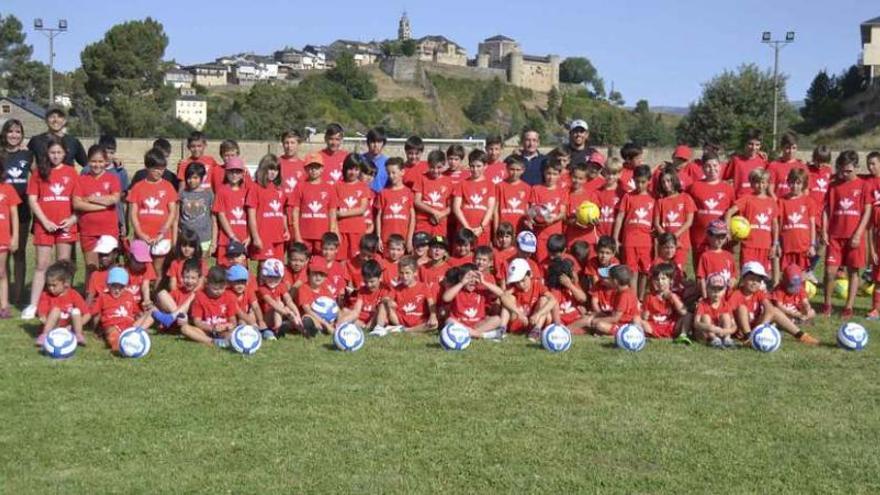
{"x": 515, "y": 68}
{"x": 554, "y": 70}
{"x": 404, "y": 30}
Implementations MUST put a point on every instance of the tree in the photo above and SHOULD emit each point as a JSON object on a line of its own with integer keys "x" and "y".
{"x": 355, "y": 81}
{"x": 554, "y": 104}
{"x": 616, "y": 98}
{"x": 408, "y": 47}
{"x": 13, "y": 50}
{"x": 822, "y": 106}
{"x": 649, "y": 128}
{"x": 124, "y": 73}
{"x": 484, "y": 102}
{"x": 732, "y": 103}
{"x": 852, "y": 82}
{"x": 577, "y": 70}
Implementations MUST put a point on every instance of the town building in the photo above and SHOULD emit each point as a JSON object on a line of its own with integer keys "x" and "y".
{"x": 539, "y": 73}
{"x": 191, "y": 109}
{"x": 871, "y": 48}
{"x": 179, "y": 78}
{"x": 441, "y": 50}
{"x": 363, "y": 53}
{"x": 208, "y": 74}
{"x": 31, "y": 115}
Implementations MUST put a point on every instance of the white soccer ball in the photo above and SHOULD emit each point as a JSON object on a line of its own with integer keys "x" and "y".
{"x": 766, "y": 338}
{"x": 134, "y": 342}
{"x": 326, "y": 308}
{"x": 852, "y": 336}
{"x": 348, "y": 337}
{"x": 245, "y": 339}
{"x": 60, "y": 343}
{"x": 630, "y": 337}
{"x": 161, "y": 248}
{"x": 455, "y": 337}
{"x": 556, "y": 338}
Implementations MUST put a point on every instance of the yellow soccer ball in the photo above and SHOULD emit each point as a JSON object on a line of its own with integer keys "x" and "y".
{"x": 867, "y": 289}
{"x": 587, "y": 213}
{"x": 740, "y": 228}
{"x": 810, "y": 288}
{"x": 841, "y": 288}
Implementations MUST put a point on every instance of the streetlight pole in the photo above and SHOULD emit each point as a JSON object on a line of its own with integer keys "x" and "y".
{"x": 51, "y": 33}
{"x": 777, "y": 45}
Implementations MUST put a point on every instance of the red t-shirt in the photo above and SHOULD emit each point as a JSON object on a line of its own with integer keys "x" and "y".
{"x": 469, "y": 307}
{"x": 513, "y": 200}
{"x": 277, "y": 293}
{"x": 412, "y": 303}
{"x": 672, "y": 212}
{"x": 8, "y": 198}
{"x": 432, "y": 276}
{"x": 474, "y": 199}
{"x": 717, "y": 262}
{"x": 306, "y": 295}
{"x": 779, "y": 175}
{"x": 175, "y": 270}
{"x": 711, "y": 201}
{"x": 293, "y": 171}
{"x": 591, "y": 269}
{"x": 247, "y": 298}
{"x": 577, "y": 232}
{"x": 270, "y": 204}
{"x": 291, "y": 279}
{"x": 65, "y": 302}
{"x": 626, "y": 303}
{"x": 333, "y": 165}
{"x": 179, "y": 295}
{"x": 218, "y": 177}
{"x": 104, "y": 222}
{"x": 820, "y": 180}
{"x": 684, "y": 178}
{"x": 760, "y": 212}
{"x": 412, "y": 173}
{"x": 154, "y": 200}
{"x": 231, "y": 203}
{"x": 435, "y": 193}
{"x": 753, "y": 303}
{"x": 55, "y": 195}
{"x": 350, "y": 195}
{"x": 527, "y": 299}
{"x": 336, "y": 278}
{"x": 608, "y": 201}
{"x": 214, "y": 311}
{"x": 555, "y": 201}
{"x": 660, "y": 311}
{"x": 638, "y": 211}
{"x": 704, "y": 307}
{"x": 395, "y": 210}
{"x": 457, "y": 176}
{"x": 738, "y": 171}
{"x": 208, "y": 161}
{"x": 115, "y": 312}
{"x": 496, "y": 172}
{"x": 566, "y": 303}
{"x": 501, "y": 259}
{"x": 369, "y": 301}
{"x": 97, "y": 282}
{"x": 626, "y": 182}
{"x": 845, "y": 205}
{"x": 594, "y": 184}
{"x": 791, "y": 302}
{"x": 136, "y": 280}
{"x": 314, "y": 202}
{"x": 794, "y": 225}
{"x": 390, "y": 272}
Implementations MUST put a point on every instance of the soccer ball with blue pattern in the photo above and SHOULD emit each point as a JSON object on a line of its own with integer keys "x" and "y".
{"x": 134, "y": 342}
{"x": 245, "y": 339}
{"x": 326, "y": 308}
{"x": 60, "y": 343}
{"x": 852, "y": 336}
{"x": 556, "y": 338}
{"x": 455, "y": 337}
{"x": 766, "y": 338}
{"x": 348, "y": 337}
{"x": 630, "y": 338}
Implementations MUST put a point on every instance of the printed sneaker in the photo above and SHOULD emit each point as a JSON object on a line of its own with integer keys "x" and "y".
{"x": 379, "y": 331}
{"x": 873, "y": 315}
{"x": 164, "y": 319}
{"x": 682, "y": 338}
{"x": 29, "y": 313}
{"x": 496, "y": 335}
{"x": 717, "y": 343}
{"x": 395, "y": 328}
{"x": 268, "y": 334}
{"x": 728, "y": 342}
{"x": 534, "y": 335}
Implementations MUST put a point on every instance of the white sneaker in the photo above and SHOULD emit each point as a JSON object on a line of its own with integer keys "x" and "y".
{"x": 29, "y": 313}
{"x": 395, "y": 328}
{"x": 496, "y": 335}
{"x": 379, "y": 331}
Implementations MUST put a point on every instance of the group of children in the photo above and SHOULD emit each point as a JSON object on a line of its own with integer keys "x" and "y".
{"x": 456, "y": 237}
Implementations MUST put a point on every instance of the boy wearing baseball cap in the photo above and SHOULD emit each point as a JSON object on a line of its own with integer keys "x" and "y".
{"x": 526, "y": 247}
{"x": 276, "y": 304}
{"x": 306, "y": 295}
{"x": 713, "y": 322}
{"x": 116, "y": 310}
{"x": 313, "y": 206}
{"x": 527, "y": 306}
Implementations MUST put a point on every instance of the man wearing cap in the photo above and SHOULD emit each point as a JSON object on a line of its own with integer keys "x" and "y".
{"x": 578, "y": 139}
{"x": 529, "y": 140}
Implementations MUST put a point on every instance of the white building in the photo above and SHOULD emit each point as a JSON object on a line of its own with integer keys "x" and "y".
{"x": 871, "y": 48}
{"x": 179, "y": 78}
{"x": 191, "y": 109}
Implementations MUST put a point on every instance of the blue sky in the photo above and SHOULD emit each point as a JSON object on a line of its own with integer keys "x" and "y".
{"x": 661, "y": 51}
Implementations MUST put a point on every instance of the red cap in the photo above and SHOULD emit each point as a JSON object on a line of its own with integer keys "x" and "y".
{"x": 315, "y": 158}
{"x": 793, "y": 273}
{"x": 318, "y": 264}
{"x": 234, "y": 163}
{"x": 682, "y": 152}
{"x": 597, "y": 158}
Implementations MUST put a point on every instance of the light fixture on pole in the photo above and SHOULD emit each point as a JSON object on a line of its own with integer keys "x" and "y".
{"x": 777, "y": 45}
{"x": 51, "y": 33}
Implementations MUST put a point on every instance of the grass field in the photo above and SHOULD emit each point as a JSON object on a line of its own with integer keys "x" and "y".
{"x": 402, "y": 415}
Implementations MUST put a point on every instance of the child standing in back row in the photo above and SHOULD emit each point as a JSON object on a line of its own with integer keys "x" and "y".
{"x": 473, "y": 200}
{"x": 433, "y": 191}
{"x": 396, "y": 214}
{"x": 762, "y": 212}
{"x": 354, "y": 198}
{"x": 266, "y": 204}
{"x": 313, "y": 206}
{"x": 632, "y": 228}
{"x": 553, "y": 202}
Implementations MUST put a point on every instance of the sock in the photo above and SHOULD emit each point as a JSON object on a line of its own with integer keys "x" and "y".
{"x": 875, "y": 300}
{"x": 799, "y": 334}
{"x": 164, "y": 319}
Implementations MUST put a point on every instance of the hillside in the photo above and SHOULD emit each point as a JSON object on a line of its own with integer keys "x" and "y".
{"x": 860, "y": 129}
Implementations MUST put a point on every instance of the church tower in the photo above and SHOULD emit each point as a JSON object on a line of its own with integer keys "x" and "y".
{"x": 404, "y": 30}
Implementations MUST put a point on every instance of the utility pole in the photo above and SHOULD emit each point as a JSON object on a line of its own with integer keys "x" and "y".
{"x": 51, "y": 33}
{"x": 777, "y": 45}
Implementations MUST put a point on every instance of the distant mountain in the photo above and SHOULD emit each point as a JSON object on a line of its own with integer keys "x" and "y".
{"x": 671, "y": 110}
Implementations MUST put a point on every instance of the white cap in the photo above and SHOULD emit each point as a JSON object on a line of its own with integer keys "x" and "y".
{"x": 272, "y": 267}
{"x": 106, "y": 244}
{"x": 527, "y": 241}
{"x": 755, "y": 267}
{"x": 517, "y": 270}
{"x": 161, "y": 248}
{"x": 578, "y": 123}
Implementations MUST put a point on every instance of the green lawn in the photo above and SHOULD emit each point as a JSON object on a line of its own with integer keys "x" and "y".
{"x": 402, "y": 415}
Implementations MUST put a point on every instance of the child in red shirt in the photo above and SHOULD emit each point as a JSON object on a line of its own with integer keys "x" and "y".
{"x": 188, "y": 248}
{"x": 504, "y": 248}
{"x": 577, "y": 195}
{"x": 9, "y": 236}
{"x": 664, "y": 315}
{"x": 213, "y": 312}
{"x": 791, "y": 298}
{"x": 740, "y": 168}
{"x": 595, "y": 164}
{"x": 462, "y": 248}
{"x": 496, "y": 172}
{"x": 367, "y": 176}
{"x": 667, "y": 248}
{"x": 455, "y": 167}
{"x": 513, "y": 195}
{"x": 873, "y": 160}
{"x": 266, "y": 205}
{"x": 332, "y": 156}
{"x": 411, "y": 309}
{"x": 762, "y": 212}
{"x": 631, "y": 154}
{"x": 674, "y": 213}
{"x": 276, "y": 305}
{"x": 714, "y": 323}
{"x": 779, "y": 169}
{"x": 291, "y": 166}
{"x": 396, "y": 214}
{"x": 116, "y": 310}
{"x": 229, "y": 206}
{"x": 59, "y": 305}
{"x": 712, "y": 198}
{"x": 847, "y": 214}
{"x": 355, "y": 199}
{"x": 141, "y": 274}
{"x": 153, "y": 206}
{"x": 716, "y": 259}
{"x": 108, "y": 257}
{"x": 365, "y": 306}
{"x": 624, "y": 303}
{"x": 369, "y": 246}
{"x": 313, "y": 206}
{"x": 473, "y": 199}
{"x": 414, "y": 167}
{"x": 196, "y": 144}
{"x": 432, "y": 273}
{"x": 421, "y": 243}
{"x": 570, "y": 299}
{"x": 632, "y": 228}
{"x": 549, "y": 205}
{"x": 797, "y": 214}
{"x": 596, "y": 275}
{"x": 173, "y": 305}
{"x": 532, "y": 306}
{"x": 469, "y": 300}
{"x": 394, "y": 252}
{"x": 96, "y": 200}
{"x": 608, "y": 199}
{"x": 336, "y": 272}
{"x": 312, "y": 323}
{"x": 433, "y": 191}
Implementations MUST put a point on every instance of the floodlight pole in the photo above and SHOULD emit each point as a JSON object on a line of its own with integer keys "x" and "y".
{"x": 51, "y": 33}
{"x": 777, "y": 46}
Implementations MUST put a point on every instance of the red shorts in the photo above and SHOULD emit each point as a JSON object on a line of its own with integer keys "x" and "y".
{"x": 840, "y": 253}
{"x": 178, "y": 296}
{"x": 314, "y": 245}
{"x": 664, "y": 330}
{"x": 43, "y": 238}
{"x": 88, "y": 242}
{"x": 569, "y": 318}
{"x": 349, "y": 245}
{"x": 273, "y": 250}
{"x": 638, "y": 259}
{"x": 799, "y": 259}
{"x": 760, "y": 255}
{"x": 409, "y": 321}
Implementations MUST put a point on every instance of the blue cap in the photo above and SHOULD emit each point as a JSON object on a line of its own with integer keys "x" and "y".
{"x": 117, "y": 275}
{"x": 236, "y": 273}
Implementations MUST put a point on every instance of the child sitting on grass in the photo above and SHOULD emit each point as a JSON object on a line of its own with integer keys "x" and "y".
{"x": 173, "y": 305}
{"x": 275, "y": 303}
{"x": 791, "y": 297}
{"x": 664, "y": 315}
{"x": 714, "y": 323}
{"x": 316, "y": 287}
{"x": 528, "y": 306}
{"x": 469, "y": 299}
{"x": 624, "y": 303}
{"x": 59, "y": 305}
{"x": 411, "y": 308}
{"x": 570, "y": 299}
{"x": 213, "y": 312}
{"x": 116, "y": 310}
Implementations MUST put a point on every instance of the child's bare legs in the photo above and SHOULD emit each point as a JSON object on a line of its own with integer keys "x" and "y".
{"x": 4, "y": 285}
{"x": 158, "y": 263}
{"x": 91, "y": 260}
{"x": 44, "y": 258}
{"x": 196, "y": 334}
{"x": 854, "y": 281}
{"x": 830, "y": 275}
{"x": 77, "y": 322}
{"x": 487, "y": 325}
{"x": 49, "y": 322}
{"x": 165, "y": 302}
{"x": 684, "y": 325}
{"x": 782, "y": 321}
